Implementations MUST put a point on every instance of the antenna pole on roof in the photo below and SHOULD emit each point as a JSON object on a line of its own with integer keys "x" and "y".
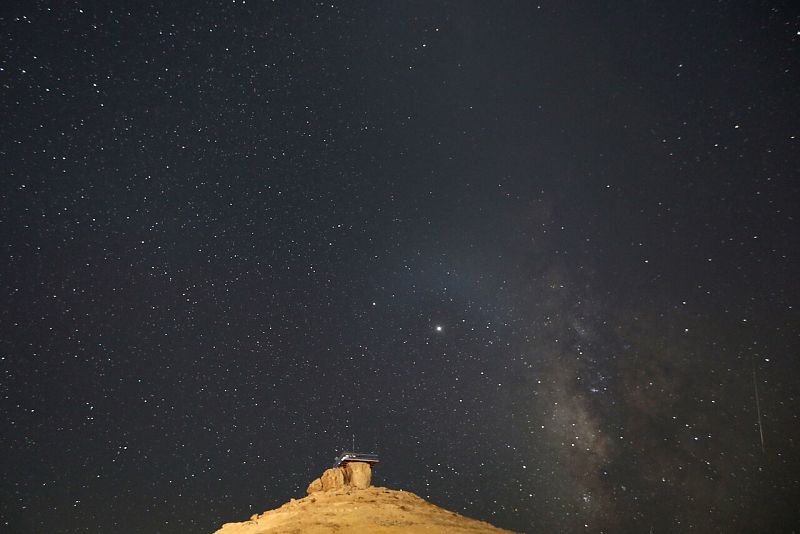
{"x": 354, "y": 443}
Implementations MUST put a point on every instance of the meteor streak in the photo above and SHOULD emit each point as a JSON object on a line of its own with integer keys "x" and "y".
{"x": 758, "y": 409}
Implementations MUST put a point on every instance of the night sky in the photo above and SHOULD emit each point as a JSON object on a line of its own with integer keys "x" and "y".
{"x": 538, "y": 256}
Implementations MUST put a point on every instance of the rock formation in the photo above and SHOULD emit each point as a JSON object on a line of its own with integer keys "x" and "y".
{"x": 343, "y": 501}
{"x": 357, "y": 475}
{"x": 353, "y": 474}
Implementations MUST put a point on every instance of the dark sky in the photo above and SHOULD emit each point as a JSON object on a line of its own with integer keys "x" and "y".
{"x": 537, "y": 255}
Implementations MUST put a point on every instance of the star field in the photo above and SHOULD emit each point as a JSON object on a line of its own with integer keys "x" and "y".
{"x": 539, "y": 256}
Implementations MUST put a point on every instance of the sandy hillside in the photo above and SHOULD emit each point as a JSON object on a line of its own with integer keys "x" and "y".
{"x": 370, "y": 510}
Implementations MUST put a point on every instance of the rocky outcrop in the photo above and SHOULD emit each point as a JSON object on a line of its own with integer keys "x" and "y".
{"x": 353, "y": 474}
{"x": 357, "y": 475}
{"x": 333, "y": 479}
{"x": 316, "y": 485}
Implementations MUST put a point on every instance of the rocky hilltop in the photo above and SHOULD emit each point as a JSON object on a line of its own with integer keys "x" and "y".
{"x": 342, "y": 500}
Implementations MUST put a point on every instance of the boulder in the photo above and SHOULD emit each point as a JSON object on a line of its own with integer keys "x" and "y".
{"x": 332, "y": 478}
{"x": 358, "y": 474}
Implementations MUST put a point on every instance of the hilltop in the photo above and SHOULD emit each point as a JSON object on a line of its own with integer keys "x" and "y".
{"x": 342, "y": 501}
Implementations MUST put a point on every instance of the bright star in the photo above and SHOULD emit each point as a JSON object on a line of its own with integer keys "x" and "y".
{"x": 439, "y": 328}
